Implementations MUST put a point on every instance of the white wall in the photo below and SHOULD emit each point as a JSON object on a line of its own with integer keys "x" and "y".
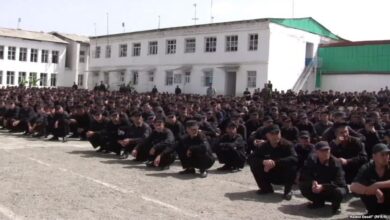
{"x": 348, "y": 82}
{"x": 27, "y": 66}
{"x": 287, "y": 54}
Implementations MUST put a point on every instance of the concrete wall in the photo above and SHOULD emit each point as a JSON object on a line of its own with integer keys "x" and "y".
{"x": 349, "y": 82}
{"x": 288, "y": 53}
{"x": 27, "y": 66}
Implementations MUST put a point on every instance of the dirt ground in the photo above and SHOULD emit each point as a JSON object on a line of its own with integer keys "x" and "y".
{"x": 53, "y": 180}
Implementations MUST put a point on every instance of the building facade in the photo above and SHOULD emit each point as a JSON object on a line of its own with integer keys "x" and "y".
{"x": 231, "y": 56}
{"x": 31, "y": 58}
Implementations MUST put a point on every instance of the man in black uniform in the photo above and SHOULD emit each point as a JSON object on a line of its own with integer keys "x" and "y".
{"x": 134, "y": 135}
{"x": 322, "y": 179}
{"x": 372, "y": 182}
{"x": 371, "y": 136}
{"x": 303, "y": 148}
{"x": 230, "y": 149}
{"x": 61, "y": 124}
{"x": 194, "y": 151}
{"x": 160, "y": 139}
{"x": 175, "y": 126}
{"x": 79, "y": 122}
{"x": 97, "y": 129}
{"x": 274, "y": 161}
{"x": 115, "y": 131}
{"x": 349, "y": 151}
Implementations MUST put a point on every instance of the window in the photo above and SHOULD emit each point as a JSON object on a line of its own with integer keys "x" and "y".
{"x": 53, "y": 79}
{"x": 11, "y": 53}
{"x": 231, "y": 43}
{"x": 122, "y": 77}
{"x": 136, "y": 49}
{"x": 153, "y": 47}
{"x": 252, "y": 75}
{"x": 211, "y": 44}
{"x": 1, "y": 52}
{"x": 34, "y": 55}
{"x": 10, "y": 77}
{"x": 43, "y": 79}
{"x": 171, "y": 46}
{"x": 253, "y": 41}
{"x": 169, "y": 78}
{"x": 135, "y": 77}
{"x": 187, "y": 78}
{"x": 23, "y": 54}
{"x": 108, "y": 51}
{"x": 190, "y": 45}
{"x": 151, "y": 76}
{"x": 177, "y": 78}
{"x": 97, "y": 52}
{"x": 54, "y": 56}
{"x": 45, "y": 56}
{"x": 123, "y": 50}
{"x": 1, "y": 77}
{"x": 208, "y": 78}
{"x": 32, "y": 80}
{"x": 82, "y": 56}
{"x": 21, "y": 78}
{"x": 80, "y": 79}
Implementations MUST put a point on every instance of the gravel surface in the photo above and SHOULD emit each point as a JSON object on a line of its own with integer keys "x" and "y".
{"x": 52, "y": 180}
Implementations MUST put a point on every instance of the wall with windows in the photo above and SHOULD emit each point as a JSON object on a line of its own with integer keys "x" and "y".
{"x": 188, "y": 58}
{"x": 24, "y": 58}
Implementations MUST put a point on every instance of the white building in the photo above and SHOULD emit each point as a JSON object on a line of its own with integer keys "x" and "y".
{"x": 33, "y": 57}
{"x": 231, "y": 55}
{"x": 76, "y": 59}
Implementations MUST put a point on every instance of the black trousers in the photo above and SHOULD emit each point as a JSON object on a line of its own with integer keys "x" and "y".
{"x": 278, "y": 175}
{"x": 97, "y": 141}
{"x": 231, "y": 157}
{"x": 331, "y": 193}
{"x": 197, "y": 160}
{"x": 375, "y": 208}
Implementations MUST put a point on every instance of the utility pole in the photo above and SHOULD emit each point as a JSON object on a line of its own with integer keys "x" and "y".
{"x": 195, "y": 18}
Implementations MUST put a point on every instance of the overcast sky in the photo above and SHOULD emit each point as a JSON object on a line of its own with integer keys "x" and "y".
{"x": 350, "y": 19}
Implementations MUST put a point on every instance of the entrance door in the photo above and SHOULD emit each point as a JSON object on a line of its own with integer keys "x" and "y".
{"x": 309, "y": 53}
{"x": 230, "y": 85}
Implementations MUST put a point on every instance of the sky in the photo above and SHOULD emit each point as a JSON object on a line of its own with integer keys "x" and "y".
{"x": 354, "y": 20}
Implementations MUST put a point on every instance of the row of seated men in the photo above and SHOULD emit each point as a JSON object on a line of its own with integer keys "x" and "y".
{"x": 323, "y": 169}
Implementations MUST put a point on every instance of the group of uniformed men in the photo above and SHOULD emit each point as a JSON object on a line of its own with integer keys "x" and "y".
{"x": 284, "y": 148}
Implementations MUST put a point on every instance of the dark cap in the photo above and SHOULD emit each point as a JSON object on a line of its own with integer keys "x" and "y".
{"x": 136, "y": 114}
{"x": 370, "y": 121}
{"x": 236, "y": 115}
{"x": 304, "y": 134}
{"x": 271, "y": 129}
{"x": 380, "y": 148}
{"x": 322, "y": 145}
{"x": 387, "y": 133}
{"x": 159, "y": 120}
{"x": 340, "y": 114}
{"x": 191, "y": 123}
{"x": 303, "y": 116}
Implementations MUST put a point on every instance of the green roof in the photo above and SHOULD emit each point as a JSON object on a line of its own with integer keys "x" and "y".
{"x": 306, "y": 24}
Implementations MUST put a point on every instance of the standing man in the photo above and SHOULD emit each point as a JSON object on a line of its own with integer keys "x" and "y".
{"x": 211, "y": 91}
{"x": 274, "y": 161}
{"x": 372, "y": 182}
{"x": 322, "y": 179}
{"x": 177, "y": 90}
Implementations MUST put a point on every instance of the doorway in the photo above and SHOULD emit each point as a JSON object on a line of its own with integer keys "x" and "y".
{"x": 230, "y": 83}
{"x": 309, "y": 53}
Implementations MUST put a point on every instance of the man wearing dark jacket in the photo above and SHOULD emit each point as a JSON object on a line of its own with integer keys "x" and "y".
{"x": 160, "y": 139}
{"x": 349, "y": 151}
{"x": 194, "y": 151}
{"x": 97, "y": 130}
{"x": 322, "y": 179}
{"x": 134, "y": 135}
{"x": 230, "y": 149}
{"x": 274, "y": 161}
{"x": 372, "y": 182}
